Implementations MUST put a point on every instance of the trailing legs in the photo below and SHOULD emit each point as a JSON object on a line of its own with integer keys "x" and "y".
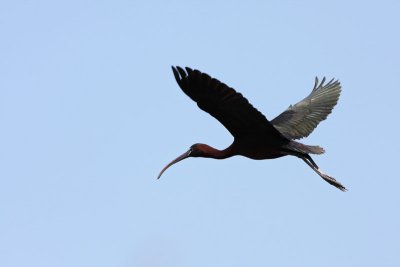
{"x": 310, "y": 162}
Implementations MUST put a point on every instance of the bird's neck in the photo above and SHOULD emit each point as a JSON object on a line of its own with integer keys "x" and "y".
{"x": 210, "y": 152}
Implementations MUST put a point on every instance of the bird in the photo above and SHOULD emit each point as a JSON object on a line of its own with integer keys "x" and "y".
{"x": 255, "y": 136}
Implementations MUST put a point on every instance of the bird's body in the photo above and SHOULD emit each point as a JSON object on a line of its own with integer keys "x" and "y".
{"x": 258, "y": 148}
{"x": 254, "y": 136}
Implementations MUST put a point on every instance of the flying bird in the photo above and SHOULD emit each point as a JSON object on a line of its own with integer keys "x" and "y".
{"x": 256, "y": 137}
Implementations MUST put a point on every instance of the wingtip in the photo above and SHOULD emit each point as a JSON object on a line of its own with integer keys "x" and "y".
{"x": 176, "y": 75}
{"x": 182, "y": 71}
{"x": 315, "y": 83}
{"x": 188, "y": 70}
{"x": 322, "y": 82}
{"x": 174, "y": 69}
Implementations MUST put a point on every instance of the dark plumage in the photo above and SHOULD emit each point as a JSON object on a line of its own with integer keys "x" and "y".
{"x": 254, "y": 136}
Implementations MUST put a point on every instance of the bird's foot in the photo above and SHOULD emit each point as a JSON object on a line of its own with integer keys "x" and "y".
{"x": 332, "y": 181}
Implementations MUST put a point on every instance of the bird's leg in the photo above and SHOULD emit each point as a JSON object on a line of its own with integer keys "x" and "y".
{"x": 310, "y": 162}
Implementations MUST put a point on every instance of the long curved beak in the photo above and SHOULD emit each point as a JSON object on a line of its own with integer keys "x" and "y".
{"x": 181, "y": 157}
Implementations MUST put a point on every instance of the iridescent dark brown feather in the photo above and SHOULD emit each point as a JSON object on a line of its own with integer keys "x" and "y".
{"x": 223, "y": 103}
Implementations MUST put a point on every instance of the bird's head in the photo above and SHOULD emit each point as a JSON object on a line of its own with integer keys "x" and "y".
{"x": 196, "y": 150}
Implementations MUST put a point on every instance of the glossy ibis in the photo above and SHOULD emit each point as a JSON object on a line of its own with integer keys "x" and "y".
{"x": 254, "y": 136}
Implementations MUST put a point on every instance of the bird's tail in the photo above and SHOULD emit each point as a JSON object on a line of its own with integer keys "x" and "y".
{"x": 302, "y": 148}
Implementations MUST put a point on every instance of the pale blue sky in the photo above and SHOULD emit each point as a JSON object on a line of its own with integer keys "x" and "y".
{"x": 90, "y": 113}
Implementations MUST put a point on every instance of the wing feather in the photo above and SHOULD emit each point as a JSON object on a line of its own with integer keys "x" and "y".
{"x": 229, "y": 107}
{"x": 299, "y": 120}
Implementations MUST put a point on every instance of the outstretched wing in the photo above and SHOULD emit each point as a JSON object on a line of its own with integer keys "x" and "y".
{"x": 301, "y": 119}
{"x": 224, "y": 103}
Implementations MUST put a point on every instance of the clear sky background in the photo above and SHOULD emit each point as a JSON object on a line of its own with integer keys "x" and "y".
{"x": 90, "y": 113}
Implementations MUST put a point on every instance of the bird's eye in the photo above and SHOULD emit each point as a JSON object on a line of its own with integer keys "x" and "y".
{"x": 191, "y": 150}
